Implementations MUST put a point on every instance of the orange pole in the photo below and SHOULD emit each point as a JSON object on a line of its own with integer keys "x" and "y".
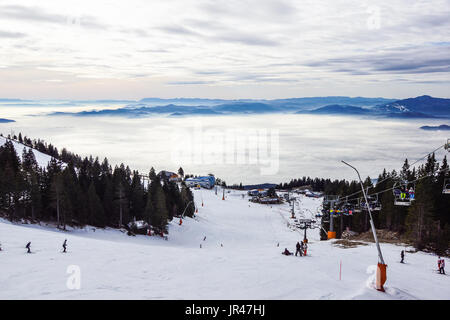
{"x": 381, "y": 276}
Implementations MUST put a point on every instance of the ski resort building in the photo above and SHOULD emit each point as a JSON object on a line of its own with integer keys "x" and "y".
{"x": 168, "y": 176}
{"x": 207, "y": 182}
{"x": 258, "y": 192}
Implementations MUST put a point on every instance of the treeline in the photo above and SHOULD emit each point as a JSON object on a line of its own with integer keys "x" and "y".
{"x": 78, "y": 192}
{"x": 40, "y": 145}
{"x": 317, "y": 184}
{"x": 425, "y": 223}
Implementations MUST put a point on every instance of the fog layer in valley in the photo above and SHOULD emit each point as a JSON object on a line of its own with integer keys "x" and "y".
{"x": 248, "y": 149}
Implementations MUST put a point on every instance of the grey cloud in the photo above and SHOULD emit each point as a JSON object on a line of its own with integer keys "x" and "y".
{"x": 189, "y": 82}
{"x": 8, "y": 34}
{"x": 416, "y": 60}
{"x": 209, "y": 72}
{"x": 136, "y": 31}
{"x": 176, "y": 29}
{"x": 251, "y": 10}
{"x": 30, "y": 14}
{"x": 433, "y": 20}
{"x": 247, "y": 39}
{"x": 253, "y": 77}
{"x": 36, "y": 14}
{"x": 221, "y": 34}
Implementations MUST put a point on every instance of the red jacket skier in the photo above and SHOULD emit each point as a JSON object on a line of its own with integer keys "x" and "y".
{"x": 441, "y": 265}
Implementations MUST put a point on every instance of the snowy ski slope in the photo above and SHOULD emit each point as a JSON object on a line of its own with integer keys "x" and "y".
{"x": 249, "y": 265}
{"x": 41, "y": 158}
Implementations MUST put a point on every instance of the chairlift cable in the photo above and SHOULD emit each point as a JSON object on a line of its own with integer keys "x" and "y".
{"x": 406, "y": 183}
{"x": 389, "y": 177}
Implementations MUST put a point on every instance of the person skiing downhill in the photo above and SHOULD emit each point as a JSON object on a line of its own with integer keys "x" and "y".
{"x": 28, "y": 247}
{"x": 64, "y": 245}
{"x": 402, "y": 255}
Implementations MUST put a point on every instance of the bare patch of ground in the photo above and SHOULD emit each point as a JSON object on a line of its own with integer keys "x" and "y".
{"x": 345, "y": 243}
{"x": 382, "y": 235}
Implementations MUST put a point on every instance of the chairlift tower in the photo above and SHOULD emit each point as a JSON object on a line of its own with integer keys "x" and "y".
{"x": 293, "y": 210}
{"x": 381, "y": 269}
{"x": 332, "y": 200}
{"x": 305, "y": 224}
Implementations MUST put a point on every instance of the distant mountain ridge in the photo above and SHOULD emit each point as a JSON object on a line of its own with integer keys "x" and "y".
{"x": 436, "y": 128}
{"x": 419, "y": 107}
{"x": 338, "y": 109}
{"x": 6, "y": 120}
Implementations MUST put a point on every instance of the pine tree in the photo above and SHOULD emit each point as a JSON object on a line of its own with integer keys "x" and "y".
{"x": 152, "y": 174}
{"x": 187, "y": 200}
{"x": 160, "y": 213}
{"x": 149, "y": 209}
{"x": 137, "y": 204}
{"x": 57, "y": 195}
{"x": 181, "y": 172}
{"x": 96, "y": 213}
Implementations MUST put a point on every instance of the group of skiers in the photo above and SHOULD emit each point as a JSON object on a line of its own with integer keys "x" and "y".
{"x": 440, "y": 262}
{"x": 300, "y": 248}
{"x": 28, "y": 246}
{"x": 405, "y": 194}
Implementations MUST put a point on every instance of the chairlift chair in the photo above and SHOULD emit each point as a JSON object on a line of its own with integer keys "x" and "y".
{"x": 357, "y": 208}
{"x": 402, "y": 195}
{"x": 446, "y": 189}
{"x": 374, "y": 203}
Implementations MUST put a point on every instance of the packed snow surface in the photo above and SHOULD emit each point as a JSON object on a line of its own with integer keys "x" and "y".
{"x": 42, "y": 159}
{"x": 249, "y": 265}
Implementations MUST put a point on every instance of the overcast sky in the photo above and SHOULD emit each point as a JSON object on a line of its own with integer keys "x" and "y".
{"x": 223, "y": 49}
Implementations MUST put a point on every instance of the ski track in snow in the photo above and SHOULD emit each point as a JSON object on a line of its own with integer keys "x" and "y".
{"x": 248, "y": 266}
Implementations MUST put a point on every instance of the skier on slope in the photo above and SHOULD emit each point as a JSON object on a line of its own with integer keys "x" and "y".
{"x": 297, "y": 249}
{"x": 64, "y": 245}
{"x": 302, "y": 248}
{"x": 305, "y": 246}
{"x": 28, "y": 247}
{"x": 441, "y": 265}
{"x": 286, "y": 252}
{"x": 402, "y": 255}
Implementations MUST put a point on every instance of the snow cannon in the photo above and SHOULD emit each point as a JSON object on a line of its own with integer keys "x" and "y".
{"x": 381, "y": 276}
{"x": 331, "y": 235}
